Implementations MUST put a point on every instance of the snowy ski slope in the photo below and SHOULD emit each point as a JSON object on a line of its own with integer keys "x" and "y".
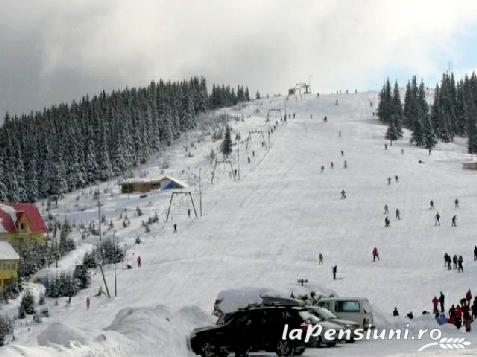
{"x": 267, "y": 230}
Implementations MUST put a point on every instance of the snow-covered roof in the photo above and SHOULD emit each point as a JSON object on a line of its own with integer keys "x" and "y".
{"x": 153, "y": 180}
{"x": 7, "y": 252}
{"x": 180, "y": 182}
{"x": 9, "y": 210}
{"x": 140, "y": 180}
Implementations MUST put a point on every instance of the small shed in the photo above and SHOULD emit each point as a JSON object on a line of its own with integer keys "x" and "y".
{"x": 143, "y": 185}
{"x": 472, "y": 165}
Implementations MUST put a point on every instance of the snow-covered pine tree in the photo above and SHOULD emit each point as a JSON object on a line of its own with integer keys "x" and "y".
{"x": 227, "y": 143}
{"x": 385, "y": 106}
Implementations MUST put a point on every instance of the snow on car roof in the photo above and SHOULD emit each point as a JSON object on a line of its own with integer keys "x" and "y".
{"x": 234, "y": 299}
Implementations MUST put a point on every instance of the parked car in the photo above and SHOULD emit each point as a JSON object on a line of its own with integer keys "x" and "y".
{"x": 354, "y": 309}
{"x": 312, "y": 319}
{"x": 326, "y": 315}
{"x": 257, "y": 328}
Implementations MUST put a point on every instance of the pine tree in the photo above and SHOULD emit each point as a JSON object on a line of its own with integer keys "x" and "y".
{"x": 227, "y": 143}
{"x": 27, "y": 303}
{"x": 394, "y": 131}
{"x": 429, "y": 139}
{"x": 67, "y": 147}
{"x": 385, "y": 106}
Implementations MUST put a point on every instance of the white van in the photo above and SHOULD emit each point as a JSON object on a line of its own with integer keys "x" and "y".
{"x": 354, "y": 309}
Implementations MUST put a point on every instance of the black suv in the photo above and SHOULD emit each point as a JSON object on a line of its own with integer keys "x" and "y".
{"x": 251, "y": 329}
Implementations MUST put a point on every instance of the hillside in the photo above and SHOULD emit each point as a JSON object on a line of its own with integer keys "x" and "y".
{"x": 267, "y": 229}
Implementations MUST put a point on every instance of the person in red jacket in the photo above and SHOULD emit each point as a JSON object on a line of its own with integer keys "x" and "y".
{"x": 375, "y": 254}
{"x": 458, "y": 317}
{"x": 468, "y": 297}
{"x": 435, "y": 302}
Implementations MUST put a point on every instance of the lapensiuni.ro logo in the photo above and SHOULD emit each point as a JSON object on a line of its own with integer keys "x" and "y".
{"x": 317, "y": 331}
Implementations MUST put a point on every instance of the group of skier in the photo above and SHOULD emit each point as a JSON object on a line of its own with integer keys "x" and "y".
{"x": 397, "y": 214}
{"x": 396, "y": 179}
{"x": 437, "y": 217}
{"x": 461, "y": 315}
{"x": 457, "y": 260}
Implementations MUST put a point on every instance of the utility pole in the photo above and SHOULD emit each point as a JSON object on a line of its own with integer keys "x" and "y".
{"x": 238, "y": 159}
{"x": 115, "y": 263}
{"x": 200, "y": 192}
{"x": 100, "y": 248}
{"x": 56, "y": 245}
{"x": 99, "y": 216}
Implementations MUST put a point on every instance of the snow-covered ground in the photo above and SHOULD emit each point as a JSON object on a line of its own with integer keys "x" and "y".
{"x": 267, "y": 229}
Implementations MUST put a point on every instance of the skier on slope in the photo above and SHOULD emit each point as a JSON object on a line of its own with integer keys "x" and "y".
{"x": 322, "y": 168}
{"x": 343, "y": 195}
{"x": 431, "y": 204}
{"x": 456, "y": 203}
{"x": 386, "y": 209}
{"x": 335, "y": 271}
{"x": 342, "y": 153}
{"x": 139, "y": 261}
{"x": 475, "y": 252}
{"x": 398, "y": 214}
{"x": 474, "y": 309}
{"x": 468, "y": 296}
{"x": 460, "y": 264}
{"x": 320, "y": 259}
{"x": 389, "y": 180}
{"x": 442, "y": 299}
{"x": 435, "y": 302}
{"x": 454, "y": 221}
{"x": 332, "y": 165}
{"x": 457, "y": 317}
{"x": 451, "y": 314}
{"x": 345, "y": 164}
{"x": 445, "y": 258}
{"x": 387, "y": 222}
{"x": 375, "y": 254}
{"x": 437, "y": 219}
{"x": 396, "y": 178}
{"x": 455, "y": 260}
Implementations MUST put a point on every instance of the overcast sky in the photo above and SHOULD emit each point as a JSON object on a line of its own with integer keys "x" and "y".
{"x": 57, "y": 50}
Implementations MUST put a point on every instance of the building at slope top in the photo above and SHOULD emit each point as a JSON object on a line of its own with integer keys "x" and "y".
{"x": 472, "y": 165}
{"x": 143, "y": 185}
{"x": 9, "y": 260}
{"x": 21, "y": 223}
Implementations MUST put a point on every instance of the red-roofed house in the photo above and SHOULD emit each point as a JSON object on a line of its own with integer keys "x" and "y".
{"x": 21, "y": 221}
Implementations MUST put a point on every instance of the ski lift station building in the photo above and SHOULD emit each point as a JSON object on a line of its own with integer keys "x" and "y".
{"x": 143, "y": 185}
{"x": 471, "y": 165}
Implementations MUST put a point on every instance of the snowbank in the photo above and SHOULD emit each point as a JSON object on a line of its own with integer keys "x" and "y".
{"x": 160, "y": 332}
{"x": 144, "y": 331}
{"x": 59, "y": 334}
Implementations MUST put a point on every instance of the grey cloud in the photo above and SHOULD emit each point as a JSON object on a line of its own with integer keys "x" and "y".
{"x": 58, "y": 50}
